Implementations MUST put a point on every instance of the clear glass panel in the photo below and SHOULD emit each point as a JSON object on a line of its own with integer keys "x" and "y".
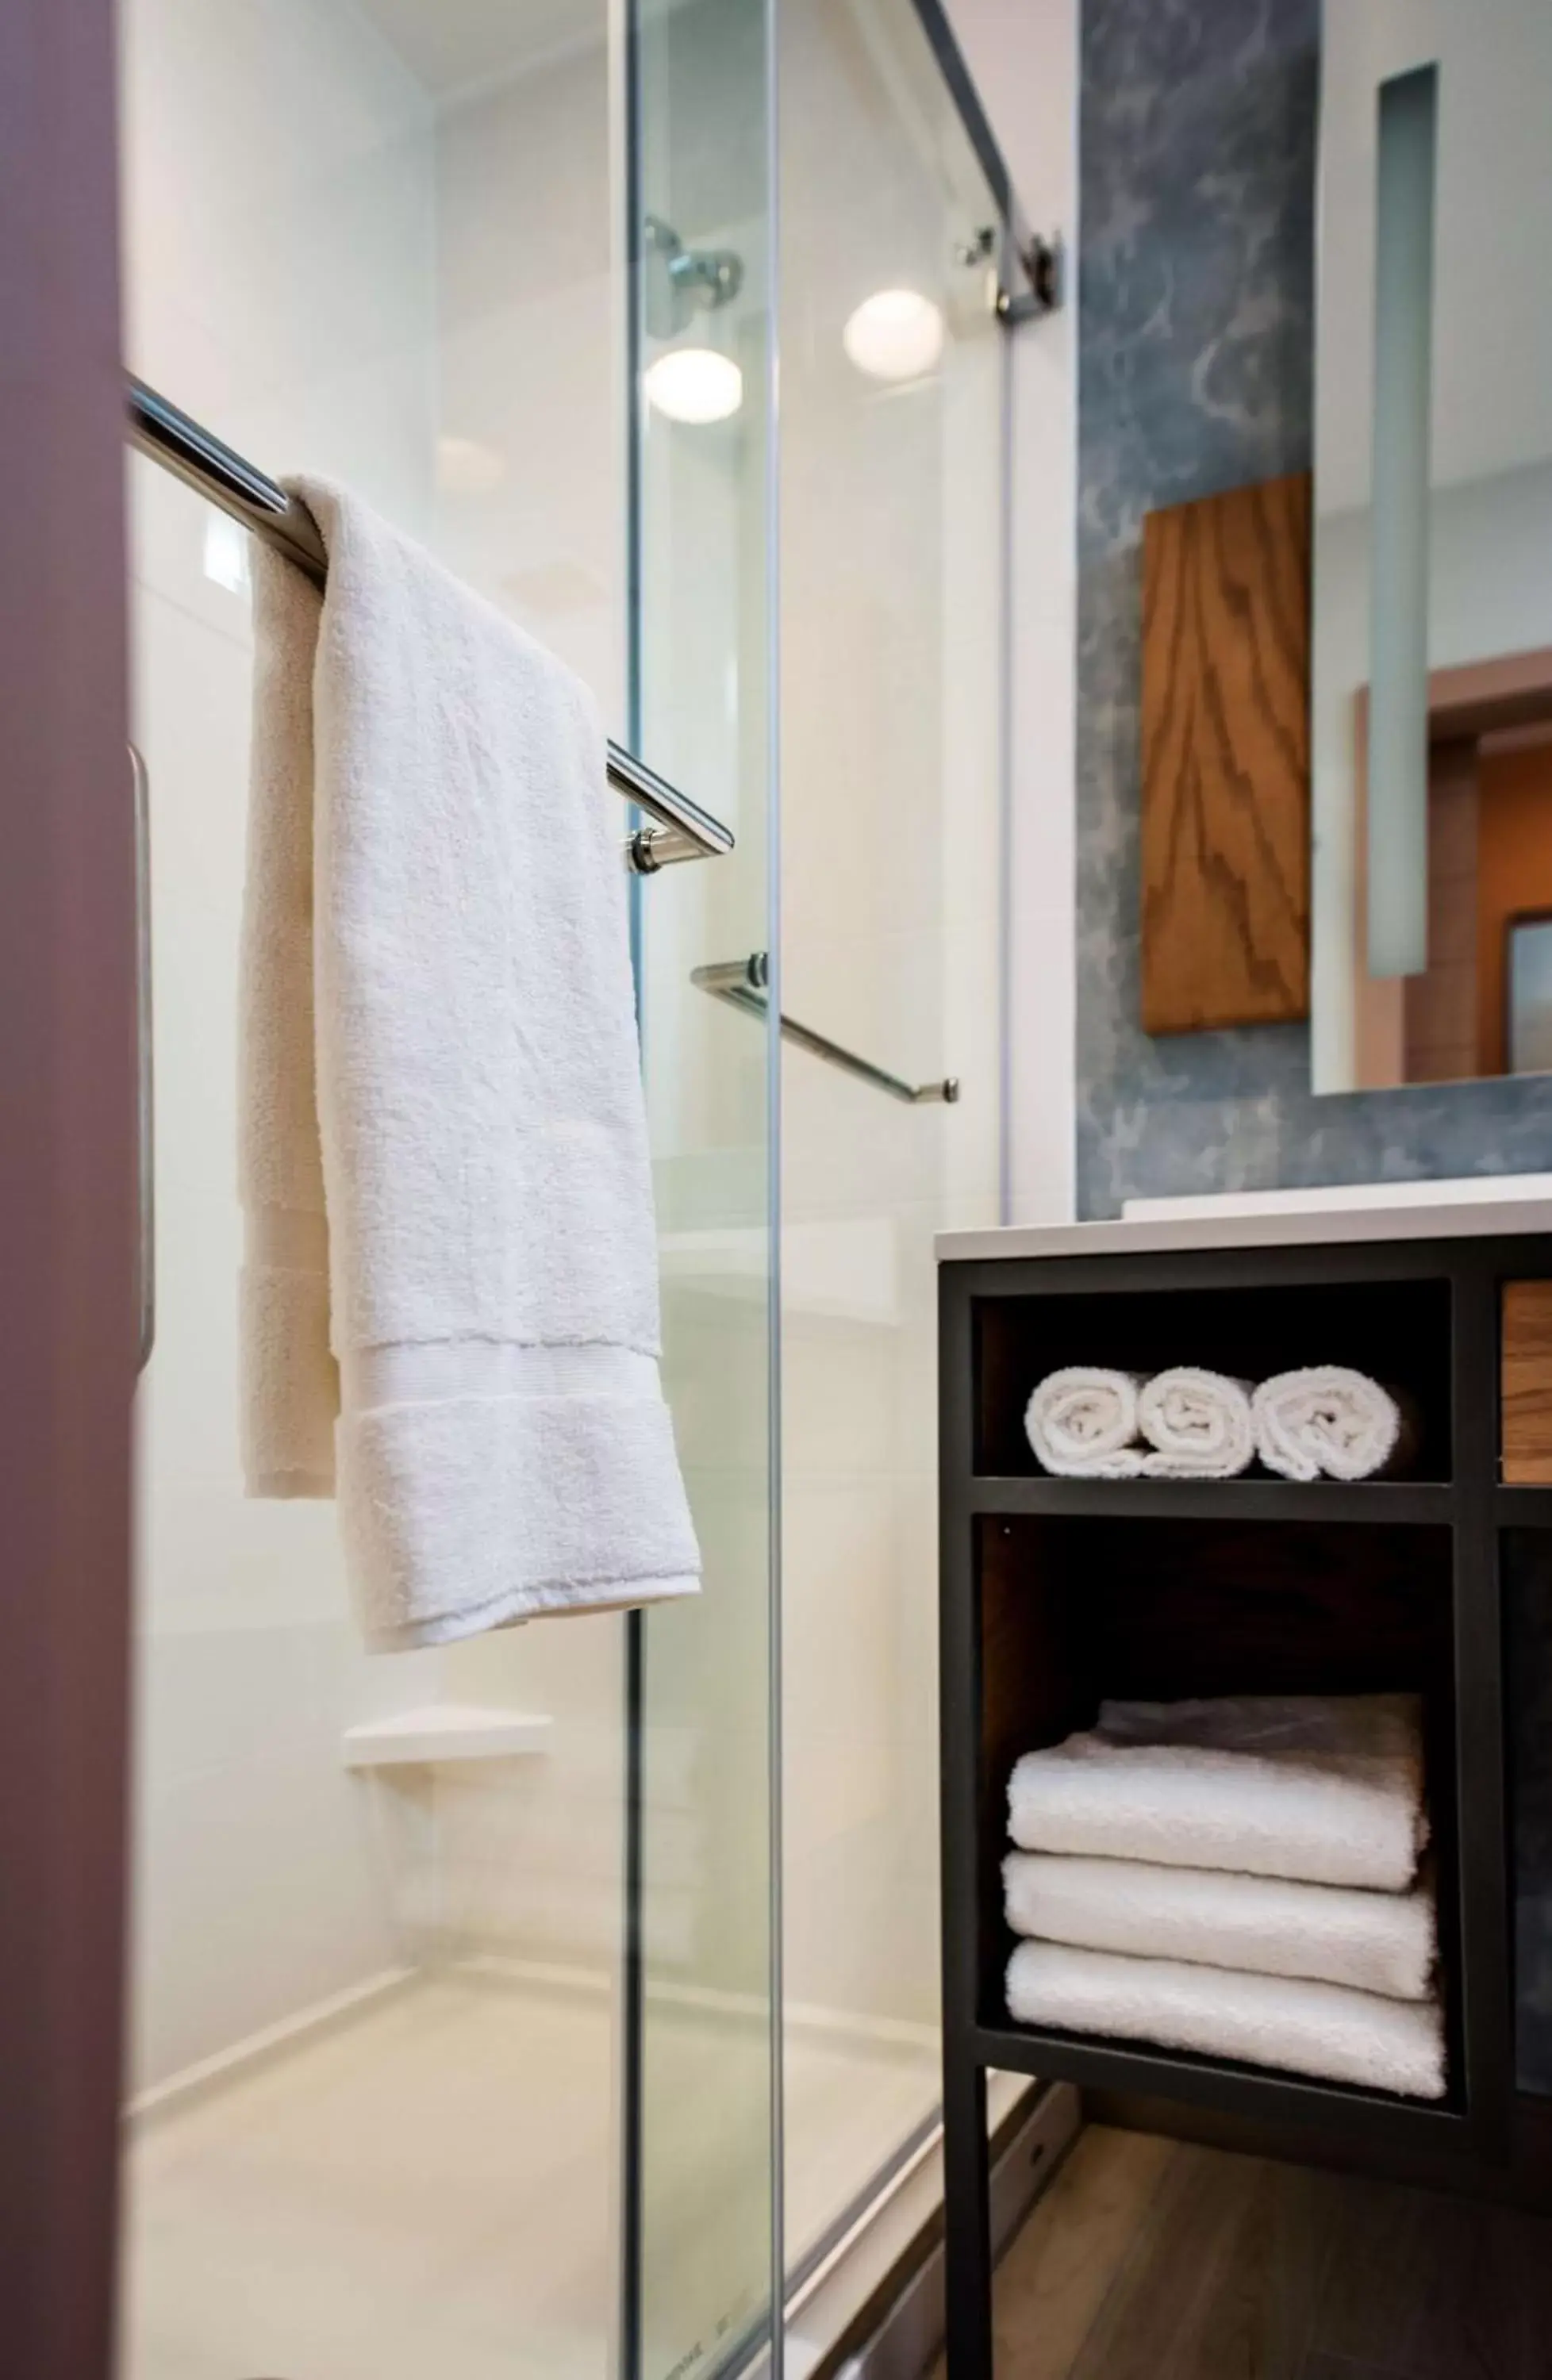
{"x": 705, "y": 440}
{"x": 375, "y": 2126}
{"x": 892, "y": 644}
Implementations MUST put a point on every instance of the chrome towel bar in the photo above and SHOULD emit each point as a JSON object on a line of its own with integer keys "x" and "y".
{"x": 681, "y": 828}
{"x": 740, "y": 983}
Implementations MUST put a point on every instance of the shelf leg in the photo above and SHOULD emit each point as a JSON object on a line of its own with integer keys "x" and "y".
{"x": 967, "y": 2221}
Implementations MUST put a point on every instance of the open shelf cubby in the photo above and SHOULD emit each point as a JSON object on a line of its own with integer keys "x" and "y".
{"x": 1058, "y": 1594}
{"x": 1398, "y": 1330}
{"x": 1074, "y": 1611}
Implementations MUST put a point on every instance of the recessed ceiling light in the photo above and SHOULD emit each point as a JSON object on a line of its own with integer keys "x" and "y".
{"x": 894, "y": 334}
{"x": 693, "y": 384}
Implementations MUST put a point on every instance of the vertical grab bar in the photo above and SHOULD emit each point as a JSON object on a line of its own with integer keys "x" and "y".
{"x": 145, "y": 1113}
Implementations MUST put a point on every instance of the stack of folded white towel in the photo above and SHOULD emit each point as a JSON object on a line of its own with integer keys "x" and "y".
{"x": 1088, "y": 1422}
{"x": 1240, "y": 1878}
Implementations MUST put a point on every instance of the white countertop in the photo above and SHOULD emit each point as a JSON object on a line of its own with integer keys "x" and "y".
{"x": 1401, "y": 1210}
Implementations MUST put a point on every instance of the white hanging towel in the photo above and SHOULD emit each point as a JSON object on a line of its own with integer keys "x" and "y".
{"x": 1376, "y": 1942}
{"x": 1305, "y": 2028}
{"x": 443, "y": 1155}
{"x": 1197, "y": 1423}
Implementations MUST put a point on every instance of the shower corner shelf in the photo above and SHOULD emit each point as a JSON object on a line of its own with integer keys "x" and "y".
{"x": 437, "y": 1731}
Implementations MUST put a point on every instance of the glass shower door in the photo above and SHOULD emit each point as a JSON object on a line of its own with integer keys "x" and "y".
{"x": 893, "y": 488}
{"x": 705, "y": 1675}
{"x": 399, "y": 2106}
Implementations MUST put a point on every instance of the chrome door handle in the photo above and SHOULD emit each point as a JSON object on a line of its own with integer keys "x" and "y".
{"x": 740, "y": 983}
{"x": 145, "y": 1116}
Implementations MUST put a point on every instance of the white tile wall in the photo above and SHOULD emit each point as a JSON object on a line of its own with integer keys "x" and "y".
{"x": 336, "y": 274}
{"x": 1026, "y": 65}
{"x": 891, "y": 516}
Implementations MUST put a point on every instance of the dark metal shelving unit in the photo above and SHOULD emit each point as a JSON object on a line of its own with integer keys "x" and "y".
{"x": 1386, "y": 1502}
{"x": 997, "y": 1319}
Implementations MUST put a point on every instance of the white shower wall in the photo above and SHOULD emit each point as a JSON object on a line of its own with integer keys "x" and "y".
{"x": 279, "y": 228}
{"x": 380, "y": 241}
{"x": 334, "y": 262}
{"x": 530, "y": 508}
{"x": 891, "y": 671}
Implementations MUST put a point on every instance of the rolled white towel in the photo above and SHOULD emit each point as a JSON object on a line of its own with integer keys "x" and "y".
{"x": 1327, "y": 1418}
{"x": 1322, "y": 1790}
{"x": 1305, "y": 2028}
{"x": 1081, "y": 1422}
{"x": 1372, "y": 1941}
{"x": 1197, "y": 1423}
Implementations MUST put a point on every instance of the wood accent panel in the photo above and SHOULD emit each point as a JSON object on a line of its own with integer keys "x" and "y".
{"x": 1226, "y": 794}
{"x": 67, "y": 1182}
{"x": 1526, "y": 1383}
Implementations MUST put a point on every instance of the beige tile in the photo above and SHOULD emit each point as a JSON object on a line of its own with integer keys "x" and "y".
{"x": 437, "y": 2176}
{"x": 429, "y": 2187}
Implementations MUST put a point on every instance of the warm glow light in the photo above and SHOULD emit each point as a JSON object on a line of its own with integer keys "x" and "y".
{"x": 695, "y": 384}
{"x": 226, "y": 553}
{"x": 895, "y": 335}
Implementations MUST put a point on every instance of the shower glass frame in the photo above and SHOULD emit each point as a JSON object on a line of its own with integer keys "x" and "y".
{"x": 701, "y": 623}
{"x": 668, "y": 2330}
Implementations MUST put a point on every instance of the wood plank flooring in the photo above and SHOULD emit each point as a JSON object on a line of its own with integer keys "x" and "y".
{"x": 1153, "y": 2260}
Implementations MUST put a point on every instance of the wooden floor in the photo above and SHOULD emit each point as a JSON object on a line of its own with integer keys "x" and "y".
{"x": 1151, "y": 2260}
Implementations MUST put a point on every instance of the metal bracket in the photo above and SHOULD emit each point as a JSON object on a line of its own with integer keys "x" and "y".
{"x": 694, "y": 280}
{"x": 1040, "y": 261}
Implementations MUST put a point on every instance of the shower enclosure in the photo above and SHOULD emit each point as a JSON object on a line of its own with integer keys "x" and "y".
{"x": 556, "y": 2002}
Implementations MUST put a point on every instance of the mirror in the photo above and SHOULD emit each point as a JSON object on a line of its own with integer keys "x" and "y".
{"x": 1431, "y": 673}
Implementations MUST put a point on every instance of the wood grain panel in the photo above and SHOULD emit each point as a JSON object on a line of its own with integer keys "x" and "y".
{"x": 1525, "y": 1382}
{"x": 1143, "y": 2261}
{"x": 1226, "y": 809}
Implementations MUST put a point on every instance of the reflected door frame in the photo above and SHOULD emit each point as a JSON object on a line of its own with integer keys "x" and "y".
{"x": 1476, "y": 709}
{"x": 66, "y": 1111}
